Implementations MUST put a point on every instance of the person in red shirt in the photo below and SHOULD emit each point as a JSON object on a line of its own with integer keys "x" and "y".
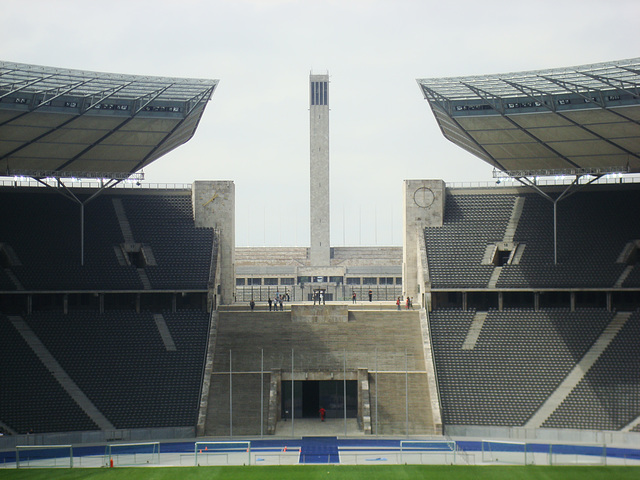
{"x": 322, "y": 413}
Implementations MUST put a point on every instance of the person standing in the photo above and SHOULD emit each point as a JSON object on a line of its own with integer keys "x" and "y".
{"x": 270, "y": 302}
{"x": 370, "y": 295}
{"x": 322, "y": 412}
{"x": 398, "y": 303}
{"x": 252, "y": 304}
{"x": 353, "y": 297}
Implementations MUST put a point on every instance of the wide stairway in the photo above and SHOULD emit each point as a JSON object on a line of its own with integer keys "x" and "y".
{"x": 250, "y": 345}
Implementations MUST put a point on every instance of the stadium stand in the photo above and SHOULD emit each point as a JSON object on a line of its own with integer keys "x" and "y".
{"x": 607, "y": 397}
{"x": 519, "y": 359}
{"x": 518, "y": 356}
{"x": 182, "y": 252}
{"x": 43, "y": 228}
{"x": 139, "y": 362}
{"x": 31, "y": 400}
{"x": 456, "y": 249}
{"x": 120, "y": 362}
{"x": 578, "y": 239}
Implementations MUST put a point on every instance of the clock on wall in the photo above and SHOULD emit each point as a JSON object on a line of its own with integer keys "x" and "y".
{"x": 423, "y": 197}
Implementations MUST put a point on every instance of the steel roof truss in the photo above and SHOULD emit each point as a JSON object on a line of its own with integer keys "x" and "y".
{"x": 441, "y": 100}
{"x": 579, "y": 90}
{"x": 23, "y": 85}
{"x": 62, "y": 90}
{"x": 152, "y": 97}
{"x": 103, "y": 96}
{"x": 616, "y": 83}
{"x": 482, "y": 94}
{"x": 524, "y": 89}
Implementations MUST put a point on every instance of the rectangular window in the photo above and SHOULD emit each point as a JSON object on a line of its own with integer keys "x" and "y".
{"x": 319, "y": 93}
{"x": 271, "y": 281}
{"x": 287, "y": 281}
{"x": 304, "y": 279}
{"x": 241, "y": 281}
{"x": 336, "y": 280}
{"x": 370, "y": 281}
{"x": 254, "y": 281}
{"x": 353, "y": 281}
{"x": 385, "y": 280}
{"x": 398, "y": 280}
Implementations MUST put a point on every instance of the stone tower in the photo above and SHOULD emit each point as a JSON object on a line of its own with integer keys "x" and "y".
{"x": 320, "y": 253}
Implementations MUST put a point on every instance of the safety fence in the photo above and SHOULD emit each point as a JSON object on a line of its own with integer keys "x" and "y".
{"x": 301, "y": 451}
{"x": 305, "y": 293}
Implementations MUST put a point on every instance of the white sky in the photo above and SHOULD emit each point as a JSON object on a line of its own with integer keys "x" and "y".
{"x": 255, "y": 130}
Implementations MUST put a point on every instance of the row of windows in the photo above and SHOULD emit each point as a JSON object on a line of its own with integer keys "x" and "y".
{"x": 319, "y": 279}
{"x": 319, "y": 93}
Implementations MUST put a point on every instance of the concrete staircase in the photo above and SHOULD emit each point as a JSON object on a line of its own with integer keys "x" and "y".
{"x": 369, "y": 339}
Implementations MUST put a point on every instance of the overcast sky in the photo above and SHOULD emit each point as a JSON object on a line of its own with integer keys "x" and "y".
{"x": 255, "y": 130}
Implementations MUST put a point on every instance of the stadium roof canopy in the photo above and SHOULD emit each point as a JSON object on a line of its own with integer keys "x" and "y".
{"x": 69, "y": 123}
{"x": 574, "y": 120}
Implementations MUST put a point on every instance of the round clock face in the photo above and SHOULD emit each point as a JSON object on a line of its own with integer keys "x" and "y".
{"x": 423, "y": 197}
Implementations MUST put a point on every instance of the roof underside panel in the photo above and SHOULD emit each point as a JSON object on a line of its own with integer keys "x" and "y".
{"x": 570, "y": 119}
{"x": 101, "y": 124}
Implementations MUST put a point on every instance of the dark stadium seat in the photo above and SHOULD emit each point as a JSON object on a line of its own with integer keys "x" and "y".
{"x": 608, "y": 397}
{"x": 120, "y": 362}
{"x": 43, "y": 228}
{"x": 31, "y": 398}
{"x": 520, "y": 358}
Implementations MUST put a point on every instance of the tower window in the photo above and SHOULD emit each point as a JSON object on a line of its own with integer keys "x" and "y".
{"x": 319, "y": 93}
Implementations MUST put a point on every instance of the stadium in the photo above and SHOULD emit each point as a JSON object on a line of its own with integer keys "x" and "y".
{"x": 505, "y": 330}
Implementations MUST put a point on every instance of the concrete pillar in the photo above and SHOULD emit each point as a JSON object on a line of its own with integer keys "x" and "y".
{"x": 214, "y": 207}
{"x": 320, "y": 252}
{"x": 423, "y": 207}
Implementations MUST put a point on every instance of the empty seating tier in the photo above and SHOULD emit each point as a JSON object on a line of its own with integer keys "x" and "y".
{"x": 519, "y": 359}
{"x": 118, "y": 359}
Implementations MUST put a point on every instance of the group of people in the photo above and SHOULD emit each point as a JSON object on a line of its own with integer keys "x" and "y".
{"x": 277, "y": 301}
{"x": 354, "y": 296}
{"x": 319, "y": 297}
{"x": 408, "y": 302}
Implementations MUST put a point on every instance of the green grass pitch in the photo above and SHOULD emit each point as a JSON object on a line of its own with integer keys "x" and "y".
{"x": 339, "y": 472}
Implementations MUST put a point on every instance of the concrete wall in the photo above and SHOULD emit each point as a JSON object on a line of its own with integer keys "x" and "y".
{"x": 214, "y": 206}
{"x": 424, "y": 202}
